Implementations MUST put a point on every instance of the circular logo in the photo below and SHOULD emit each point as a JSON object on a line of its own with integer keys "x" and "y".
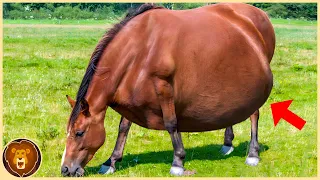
{"x": 21, "y": 157}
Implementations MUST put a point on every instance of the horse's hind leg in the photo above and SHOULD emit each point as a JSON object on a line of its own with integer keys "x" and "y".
{"x": 227, "y": 147}
{"x": 109, "y": 166}
{"x": 253, "y": 155}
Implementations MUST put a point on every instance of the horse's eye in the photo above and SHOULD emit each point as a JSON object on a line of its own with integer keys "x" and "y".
{"x": 79, "y": 133}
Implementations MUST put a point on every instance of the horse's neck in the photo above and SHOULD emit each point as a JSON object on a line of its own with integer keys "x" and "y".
{"x": 97, "y": 94}
{"x": 110, "y": 70}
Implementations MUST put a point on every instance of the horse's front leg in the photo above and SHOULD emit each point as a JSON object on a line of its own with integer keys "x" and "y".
{"x": 165, "y": 95}
{"x": 109, "y": 166}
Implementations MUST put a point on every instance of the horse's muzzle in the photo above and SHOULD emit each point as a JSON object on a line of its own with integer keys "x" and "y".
{"x": 75, "y": 171}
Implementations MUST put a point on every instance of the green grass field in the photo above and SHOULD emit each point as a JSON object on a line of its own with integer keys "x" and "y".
{"x": 42, "y": 65}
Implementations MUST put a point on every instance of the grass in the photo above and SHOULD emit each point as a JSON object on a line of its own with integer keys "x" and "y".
{"x": 296, "y": 22}
{"x": 42, "y": 65}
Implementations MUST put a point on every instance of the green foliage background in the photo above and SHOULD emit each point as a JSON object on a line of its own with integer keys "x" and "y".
{"x": 112, "y": 10}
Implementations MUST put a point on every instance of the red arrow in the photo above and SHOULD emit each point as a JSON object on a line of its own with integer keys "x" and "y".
{"x": 280, "y": 110}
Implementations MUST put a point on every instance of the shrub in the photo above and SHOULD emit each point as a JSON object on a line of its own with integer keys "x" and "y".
{"x": 17, "y": 6}
{"x": 105, "y": 12}
{"x": 42, "y": 13}
{"x": 62, "y": 12}
{"x": 187, "y": 5}
{"x": 277, "y": 11}
{"x": 16, "y": 14}
{"x": 68, "y": 12}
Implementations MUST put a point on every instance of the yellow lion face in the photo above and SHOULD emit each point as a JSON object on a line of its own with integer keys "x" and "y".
{"x": 20, "y": 157}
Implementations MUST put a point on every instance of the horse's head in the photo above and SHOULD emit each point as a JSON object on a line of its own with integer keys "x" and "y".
{"x": 85, "y": 136}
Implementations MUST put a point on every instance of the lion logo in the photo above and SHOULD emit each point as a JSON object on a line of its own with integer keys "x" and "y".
{"x": 21, "y": 158}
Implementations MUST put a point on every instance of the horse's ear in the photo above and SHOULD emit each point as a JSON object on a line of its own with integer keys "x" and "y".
{"x": 71, "y": 101}
{"x": 85, "y": 107}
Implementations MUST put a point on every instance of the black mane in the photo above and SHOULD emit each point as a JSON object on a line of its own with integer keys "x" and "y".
{"x": 95, "y": 57}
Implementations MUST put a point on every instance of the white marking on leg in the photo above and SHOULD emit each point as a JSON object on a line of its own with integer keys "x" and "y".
{"x": 177, "y": 171}
{"x": 226, "y": 150}
{"x": 252, "y": 161}
{"x": 106, "y": 169}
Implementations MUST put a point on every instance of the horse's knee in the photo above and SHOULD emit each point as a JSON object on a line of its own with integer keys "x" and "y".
{"x": 171, "y": 125}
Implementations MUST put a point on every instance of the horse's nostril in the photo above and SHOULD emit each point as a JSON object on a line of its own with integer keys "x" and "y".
{"x": 64, "y": 170}
{"x": 79, "y": 172}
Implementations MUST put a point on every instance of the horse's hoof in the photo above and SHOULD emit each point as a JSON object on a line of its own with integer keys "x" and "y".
{"x": 106, "y": 169}
{"x": 176, "y": 171}
{"x": 226, "y": 150}
{"x": 252, "y": 161}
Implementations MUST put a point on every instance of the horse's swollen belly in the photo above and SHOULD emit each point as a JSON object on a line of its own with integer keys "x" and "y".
{"x": 204, "y": 109}
{"x": 206, "y": 114}
{"x": 216, "y": 106}
{"x": 195, "y": 120}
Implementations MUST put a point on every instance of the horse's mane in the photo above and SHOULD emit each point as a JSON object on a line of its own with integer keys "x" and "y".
{"x": 96, "y": 55}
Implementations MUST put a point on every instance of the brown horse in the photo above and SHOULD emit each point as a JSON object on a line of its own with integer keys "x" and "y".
{"x": 181, "y": 71}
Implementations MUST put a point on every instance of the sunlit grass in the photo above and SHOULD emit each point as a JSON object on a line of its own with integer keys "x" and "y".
{"x": 42, "y": 65}
{"x": 295, "y": 22}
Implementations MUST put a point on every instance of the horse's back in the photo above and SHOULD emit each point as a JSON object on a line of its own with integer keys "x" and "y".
{"x": 261, "y": 21}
